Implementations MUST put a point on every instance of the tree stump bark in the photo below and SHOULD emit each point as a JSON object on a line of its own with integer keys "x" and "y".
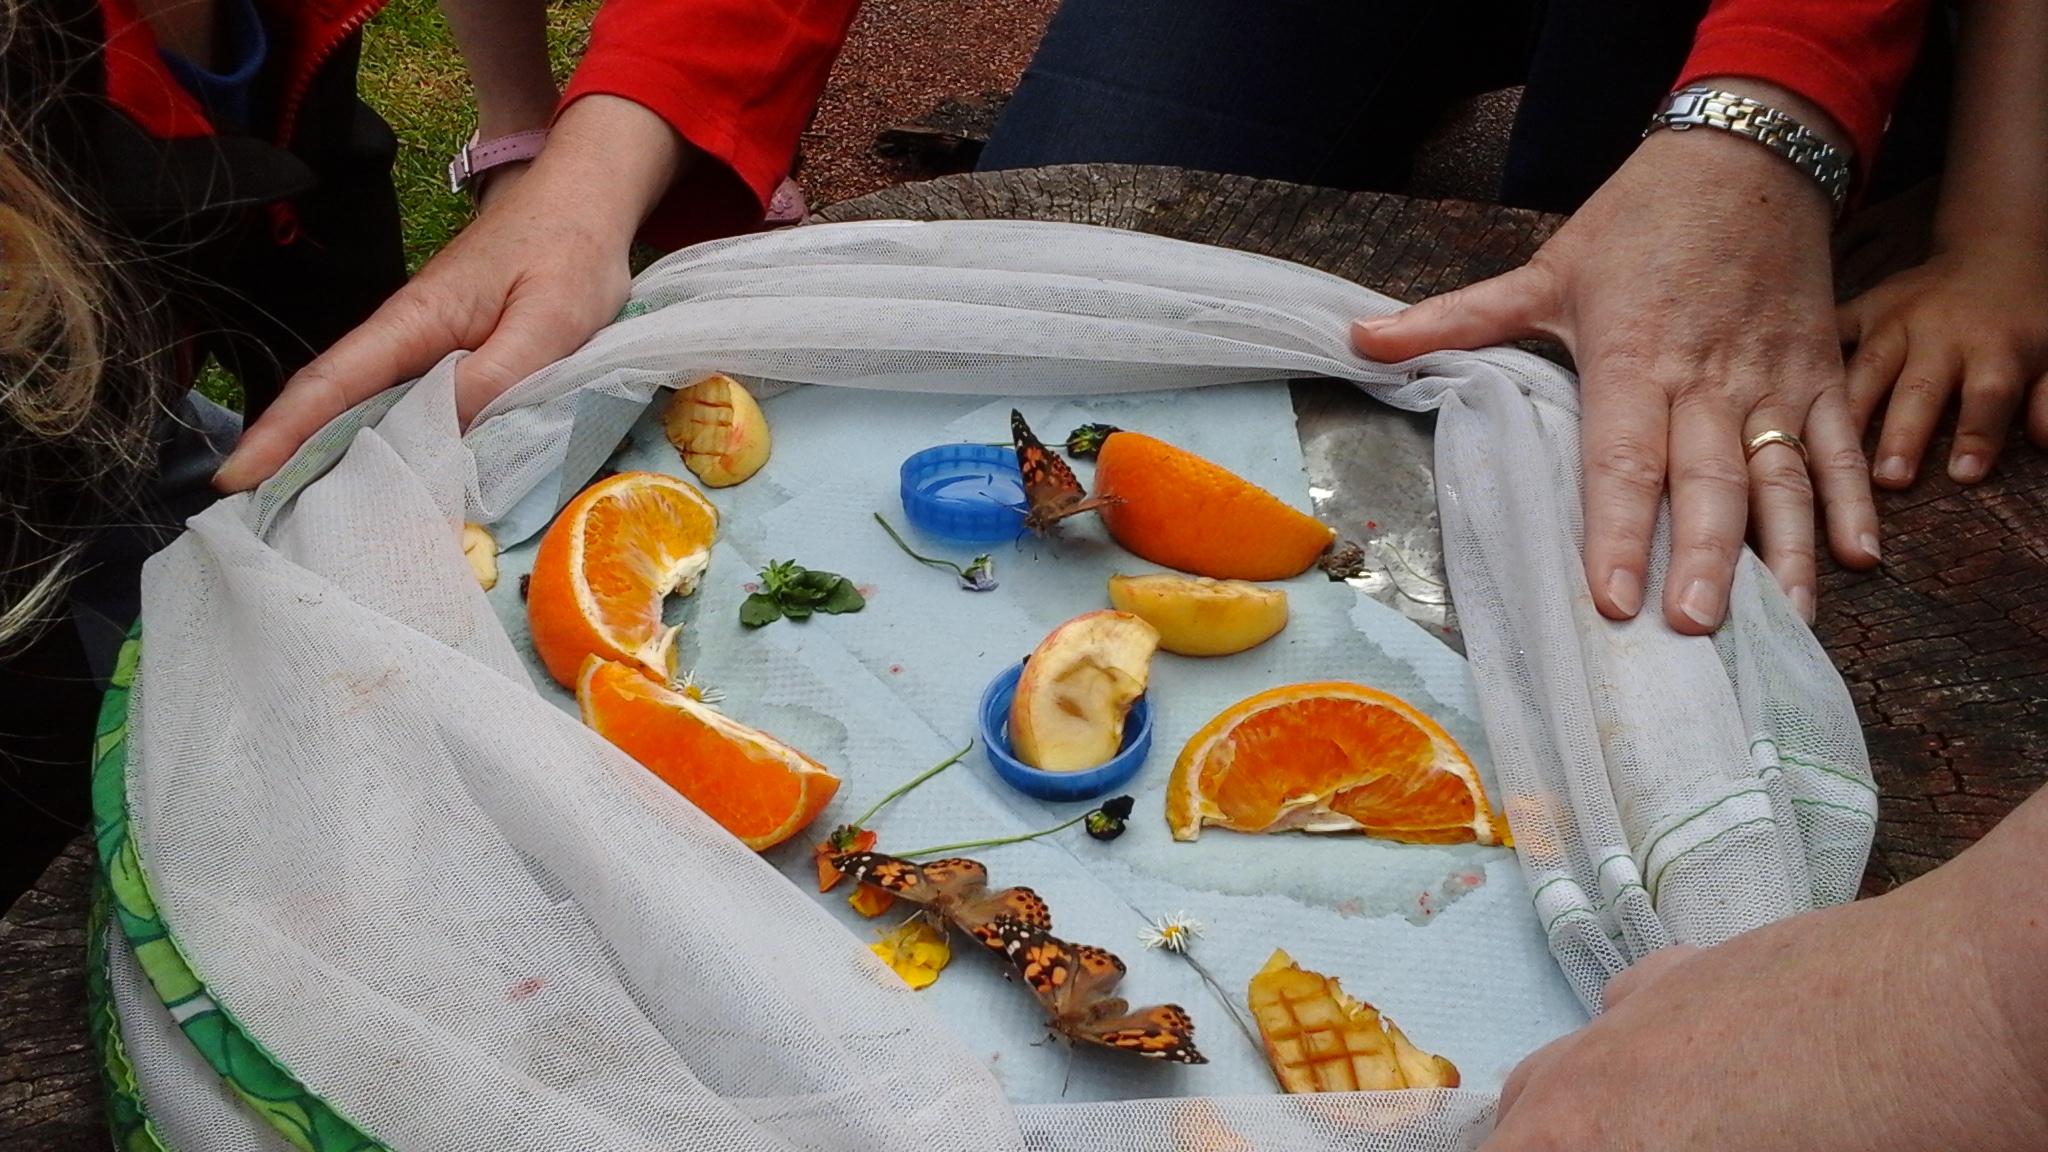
{"x": 1944, "y": 647}
{"x": 50, "y": 1097}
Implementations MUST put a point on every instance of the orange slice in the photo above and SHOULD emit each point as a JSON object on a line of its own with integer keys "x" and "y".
{"x": 1329, "y": 758}
{"x": 758, "y": 788}
{"x": 619, "y": 548}
{"x": 1182, "y": 511}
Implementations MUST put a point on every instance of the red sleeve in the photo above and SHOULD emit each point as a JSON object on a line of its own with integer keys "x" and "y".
{"x": 1848, "y": 56}
{"x": 736, "y": 78}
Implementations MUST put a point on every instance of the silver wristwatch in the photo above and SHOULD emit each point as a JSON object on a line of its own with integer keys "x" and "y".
{"x": 1701, "y": 106}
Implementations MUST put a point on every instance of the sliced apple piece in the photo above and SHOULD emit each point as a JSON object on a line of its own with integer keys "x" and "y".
{"x": 480, "y": 548}
{"x": 719, "y": 430}
{"x": 1077, "y": 687}
{"x": 1198, "y": 616}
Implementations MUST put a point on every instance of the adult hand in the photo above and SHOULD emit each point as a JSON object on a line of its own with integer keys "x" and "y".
{"x": 1968, "y": 321}
{"x": 540, "y": 270}
{"x": 1693, "y": 291}
{"x": 1911, "y": 1021}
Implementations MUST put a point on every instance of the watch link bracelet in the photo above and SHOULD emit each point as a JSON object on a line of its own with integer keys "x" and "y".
{"x": 1701, "y": 106}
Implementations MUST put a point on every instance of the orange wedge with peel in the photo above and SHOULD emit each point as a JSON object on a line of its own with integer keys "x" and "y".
{"x": 620, "y": 547}
{"x": 1330, "y": 757}
{"x": 1174, "y": 508}
{"x": 757, "y": 788}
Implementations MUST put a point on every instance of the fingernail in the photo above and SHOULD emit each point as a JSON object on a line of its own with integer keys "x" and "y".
{"x": 1701, "y": 604}
{"x": 1802, "y": 602}
{"x": 1625, "y": 591}
{"x": 1966, "y": 469}
{"x": 1373, "y": 323}
{"x": 1894, "y": 470}
{"x": 1869, "y": 542}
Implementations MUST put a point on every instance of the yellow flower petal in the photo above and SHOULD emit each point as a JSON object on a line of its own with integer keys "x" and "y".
{"x": 915, "y": 951}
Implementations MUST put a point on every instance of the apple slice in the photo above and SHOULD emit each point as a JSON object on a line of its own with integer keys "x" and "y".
{"x": 719, "y": 430}
{"x": 480, "y": 548}
{"x": 1069, "y": 711}
{"x": 1198, "y": 616}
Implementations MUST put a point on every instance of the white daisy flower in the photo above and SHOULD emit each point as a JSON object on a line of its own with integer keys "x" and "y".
{"x": 1175, "y": 933}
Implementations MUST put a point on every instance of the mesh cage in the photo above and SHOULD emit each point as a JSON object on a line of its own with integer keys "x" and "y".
{"x": 362, "y": 824}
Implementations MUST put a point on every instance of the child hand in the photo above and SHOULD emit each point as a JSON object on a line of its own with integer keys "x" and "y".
{"x": 1974, "y": 321}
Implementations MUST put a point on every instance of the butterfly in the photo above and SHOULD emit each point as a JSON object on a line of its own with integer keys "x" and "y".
{"x": 954, "y": 889}
{"x": 1074, "y": 983}
{"x": 1051, "y": 493}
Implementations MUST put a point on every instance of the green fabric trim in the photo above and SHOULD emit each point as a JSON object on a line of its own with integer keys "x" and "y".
{"x": 127, "y": 1116}
{"x": 251, "y": 1073}
{"x": 1814, "y": 765}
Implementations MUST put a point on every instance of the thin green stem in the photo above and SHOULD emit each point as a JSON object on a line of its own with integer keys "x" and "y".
{"x": 1224, "y": 999}
{"x": 932, "y": 560}
{"x": 993, "y": 843}
{"x": 927, "y": 774}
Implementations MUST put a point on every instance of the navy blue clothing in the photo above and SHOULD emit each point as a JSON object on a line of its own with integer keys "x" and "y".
{"x": 1338, "y": 93}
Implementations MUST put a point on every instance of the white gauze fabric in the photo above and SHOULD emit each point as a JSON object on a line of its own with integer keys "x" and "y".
{"x": 369, "y": 835}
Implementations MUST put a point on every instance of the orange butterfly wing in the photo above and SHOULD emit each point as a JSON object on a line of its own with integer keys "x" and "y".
{"x": 1051, "y": 491}
{"x": 1161, "y": 1032}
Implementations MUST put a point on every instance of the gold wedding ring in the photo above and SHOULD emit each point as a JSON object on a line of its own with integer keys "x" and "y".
{"x": 1773, "y": 436}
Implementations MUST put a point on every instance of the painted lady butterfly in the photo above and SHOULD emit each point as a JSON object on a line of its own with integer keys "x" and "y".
{"x": 1074, "y": 982}
{"x": 954, "y": 889}
{"x": 1051, "y": 493}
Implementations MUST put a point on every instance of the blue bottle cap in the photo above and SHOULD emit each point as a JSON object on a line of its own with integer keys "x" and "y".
{"x": 970, "y": 493}
{"x": 1086, "y": 784}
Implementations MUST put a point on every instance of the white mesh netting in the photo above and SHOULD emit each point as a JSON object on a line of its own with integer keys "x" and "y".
{"x": 363, "y": 826}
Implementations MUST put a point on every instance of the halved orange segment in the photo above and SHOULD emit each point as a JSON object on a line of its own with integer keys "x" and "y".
{"x": 620, "y": 547}
{"x": 1330, "y": 757}
{"x": 758, "y": 788}
{"x": 1174, "y": 508}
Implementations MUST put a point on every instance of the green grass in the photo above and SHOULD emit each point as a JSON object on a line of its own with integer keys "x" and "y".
{"x": 412, "y": 75}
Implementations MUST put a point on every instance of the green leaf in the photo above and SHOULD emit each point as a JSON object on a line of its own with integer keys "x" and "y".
{"x": 796, "y": 611}
{"x": 811, "y": 587}
{"x": 844, "y": 597}
{"x": 775, "y": 578}
{"x": 759, "y": 609}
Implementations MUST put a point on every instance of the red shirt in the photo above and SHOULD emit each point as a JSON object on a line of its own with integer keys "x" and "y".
{"x": 738, "y": 79}
{"x": 1848, "y": 56}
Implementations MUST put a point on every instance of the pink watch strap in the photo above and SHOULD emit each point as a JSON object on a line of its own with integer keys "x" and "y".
{"x": 478, "y": 157}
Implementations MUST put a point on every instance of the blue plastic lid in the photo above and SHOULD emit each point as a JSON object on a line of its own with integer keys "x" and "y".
{"x": 972, "y": 493}
{"x": 1086, "y": 784}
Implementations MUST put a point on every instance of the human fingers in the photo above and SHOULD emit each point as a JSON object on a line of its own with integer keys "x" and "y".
{"x": 1643, "y": 973}
{"x": 1928, "y": 376}
{"x": 1531, "y": 1065}
{"x": 1834, "y": 452}
{"x": 1709, "y": 509}
{"x": 1781, "y": 506}
{"x": 403, "y": 338}
{"x": 1874, "y": 366}
{"x": 1512, "y": 306}
{"x": 2037, "y": 412}
{"x": 1992, "y": 392}
{"x": 1623, "y": 442}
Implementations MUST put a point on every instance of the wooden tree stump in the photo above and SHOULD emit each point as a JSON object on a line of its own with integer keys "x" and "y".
{"x": 50, "y": 1098}
{"x": 1945, "y": 647}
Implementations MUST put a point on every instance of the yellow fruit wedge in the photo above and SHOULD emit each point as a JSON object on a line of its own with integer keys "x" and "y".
{"x": 1319, "y": 1039}
{"x": 1198, "y": 616}
{"x": 480, "y": 548}
{"x": 719, "y": 430}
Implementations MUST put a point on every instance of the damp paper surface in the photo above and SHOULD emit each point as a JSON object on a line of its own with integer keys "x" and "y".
{"x": 1442, "y": 939}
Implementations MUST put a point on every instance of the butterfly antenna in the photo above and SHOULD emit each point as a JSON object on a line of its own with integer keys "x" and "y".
{"x": 1068, "y": 1078}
